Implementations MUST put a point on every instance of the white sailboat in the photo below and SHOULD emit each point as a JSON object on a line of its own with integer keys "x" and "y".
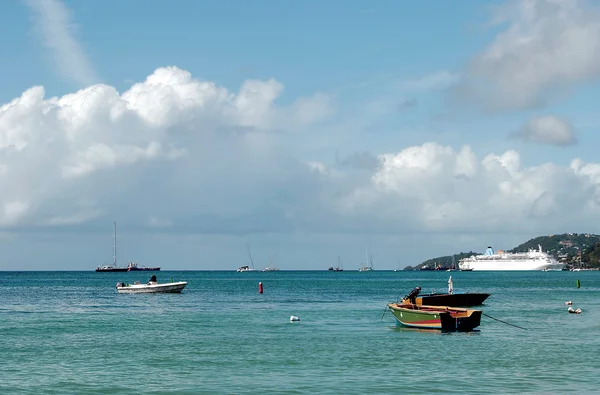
{"x": 369, "y": 266}
{"x": 114, "y": 267}
{"x": 247, "y": 268}
{"x": 399, "y": 269}
{"x": 271, "y": 268}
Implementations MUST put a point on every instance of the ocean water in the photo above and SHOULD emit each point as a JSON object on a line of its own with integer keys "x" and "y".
{"x": 70, "y": 332}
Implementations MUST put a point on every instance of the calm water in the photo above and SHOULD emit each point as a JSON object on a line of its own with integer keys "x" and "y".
{"x": 70, "y": 332}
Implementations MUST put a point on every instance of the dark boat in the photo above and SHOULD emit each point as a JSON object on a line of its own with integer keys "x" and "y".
{"x": 451, "y": 299}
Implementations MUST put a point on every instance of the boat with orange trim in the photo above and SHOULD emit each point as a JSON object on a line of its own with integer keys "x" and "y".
{"x": 446, "y": 318}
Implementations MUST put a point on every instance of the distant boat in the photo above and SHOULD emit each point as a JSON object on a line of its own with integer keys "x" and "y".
{"x": 270, "y": 268}
{"x": 453, "y": 267}
{"x": 398, "y": 269}
{"x": 369, "y": 265}
{"x": 133, "y": 267}
{"x": 114, "y": 267}
{"x": 339, "y": 267}
{"x": 151, "y": 286}
{"x": 247, "y": 268}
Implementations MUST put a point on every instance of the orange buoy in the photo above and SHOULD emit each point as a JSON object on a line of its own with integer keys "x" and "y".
{"x": 260, "y": 288}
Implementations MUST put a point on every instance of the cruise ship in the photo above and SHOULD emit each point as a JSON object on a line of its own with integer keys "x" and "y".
{"x": 531, "y": 260}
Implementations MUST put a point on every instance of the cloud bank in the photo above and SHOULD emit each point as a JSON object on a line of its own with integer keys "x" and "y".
{"x": 183, "y": 155}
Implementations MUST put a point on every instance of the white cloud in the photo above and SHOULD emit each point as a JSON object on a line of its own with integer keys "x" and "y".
{"x": 435, "y": 188}
{"x": 170, "y": 140}
{"x": 54, "y": 21}
{"x": 546, "y": 48}
{"x": 547, "y": 129}
{"x": 183, "y": 155}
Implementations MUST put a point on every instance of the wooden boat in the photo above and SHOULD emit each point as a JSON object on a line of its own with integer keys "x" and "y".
{"x": 435, "y": 317}
{"x": 151, "y": 286}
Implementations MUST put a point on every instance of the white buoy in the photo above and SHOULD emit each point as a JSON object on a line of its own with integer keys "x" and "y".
{"x": 294, "y": 318}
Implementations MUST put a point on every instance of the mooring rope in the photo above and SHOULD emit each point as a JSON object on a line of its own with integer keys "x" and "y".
{"x": 504, "y": 322}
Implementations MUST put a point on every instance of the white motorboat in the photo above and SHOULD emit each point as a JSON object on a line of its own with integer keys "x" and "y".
{"x": 151, "y": 286}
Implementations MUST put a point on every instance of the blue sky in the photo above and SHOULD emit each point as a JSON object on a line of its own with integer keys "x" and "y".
{"x": 309, "y": 130}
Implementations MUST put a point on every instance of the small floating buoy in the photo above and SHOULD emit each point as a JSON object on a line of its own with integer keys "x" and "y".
{"x": 260, "y": 288}
{"x": 294, "y": 318}
{"x": 578, "y": 284}
{"x": 569, "y": 303}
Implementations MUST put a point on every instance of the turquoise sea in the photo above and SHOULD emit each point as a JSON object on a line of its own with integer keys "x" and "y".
{"x": 70, "y": 332}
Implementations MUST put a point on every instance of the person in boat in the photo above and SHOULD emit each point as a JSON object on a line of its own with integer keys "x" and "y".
{"x": 152, "y": 280}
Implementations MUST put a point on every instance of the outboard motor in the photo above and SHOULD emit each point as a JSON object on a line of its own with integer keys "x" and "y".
{"x": 413, "y": 294}
{"x": 119, "y": 285}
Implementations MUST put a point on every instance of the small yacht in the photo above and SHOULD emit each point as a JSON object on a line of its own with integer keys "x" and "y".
{"x": 271, "y": 268}
{"x": 152, "y": 286}
{"x": 247, "y": 268}
{"x": 369, "y": 266}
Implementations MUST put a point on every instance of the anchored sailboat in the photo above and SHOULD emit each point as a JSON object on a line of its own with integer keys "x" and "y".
{"x": 113, "y": 268}
{"x": 271, "y": 268}
{"x": 131, "y": 266}
{"x": 369, "y": 266}
{"x": 247, "y": 268}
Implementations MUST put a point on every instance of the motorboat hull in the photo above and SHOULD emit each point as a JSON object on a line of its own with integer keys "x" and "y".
{"x": 436, "y": 317}
{"x": 176, "y": 287}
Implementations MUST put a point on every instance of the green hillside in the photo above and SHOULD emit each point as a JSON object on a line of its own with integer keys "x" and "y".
{"x": 575, "y": 249}
{"x": 565, "y": 247}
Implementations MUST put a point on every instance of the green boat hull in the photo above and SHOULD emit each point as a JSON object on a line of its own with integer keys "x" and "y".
{"x": 436, "y": 317}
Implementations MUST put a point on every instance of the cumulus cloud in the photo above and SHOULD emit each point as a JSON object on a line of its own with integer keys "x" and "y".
{"x": 177, "y": 154}
{"x": 545, "y": 47}
{"x": 170, "y": 138}
{"x": 54, "y": 21}
{"x": 547, "y": 129}
{"x": 435, "y": 188}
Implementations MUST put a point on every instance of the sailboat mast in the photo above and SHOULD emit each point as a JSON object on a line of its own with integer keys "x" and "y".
{"x": 115, "y": 245}
{"x": 250, "y": 255}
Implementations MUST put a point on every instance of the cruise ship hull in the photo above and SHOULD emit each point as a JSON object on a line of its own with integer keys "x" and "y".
{"x": 504, "y": 265}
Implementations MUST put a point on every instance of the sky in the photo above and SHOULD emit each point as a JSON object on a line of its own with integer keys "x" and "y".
{"x": 305, "y": 131}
